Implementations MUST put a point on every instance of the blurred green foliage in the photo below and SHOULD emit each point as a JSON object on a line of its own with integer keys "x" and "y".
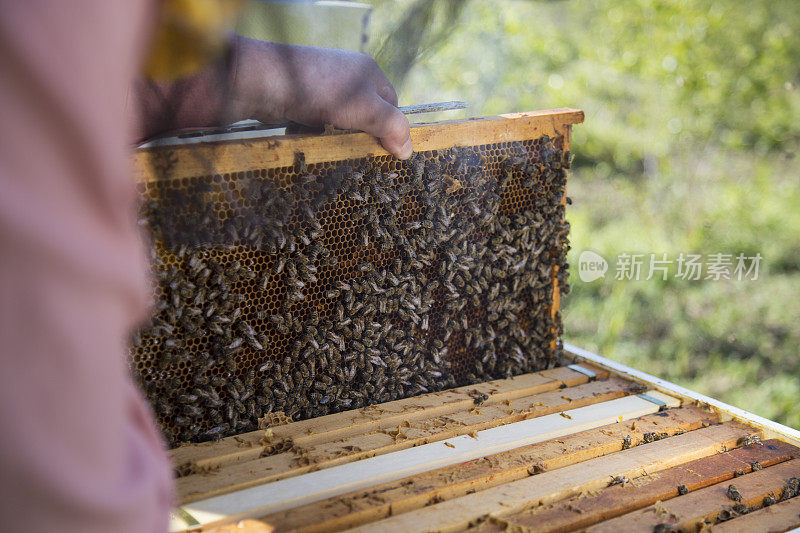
{"x": 424, "y": 26}
{"x": 691, "y": 129}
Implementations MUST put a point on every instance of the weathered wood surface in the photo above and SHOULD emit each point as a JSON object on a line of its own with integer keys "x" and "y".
{"x": 586, "y": 509}
{"x": 779, "y": 517}
{"x": 405, "y": 435}
{"x": 334, "y": 481}
{"x": 686, "y": 512}
{"x": 411, "y": 493}
{"x": 594, "y": 474}
{"x": 242, "y": 526}
{"x": 304, "y": 433}
{"x": 185, "y": 161}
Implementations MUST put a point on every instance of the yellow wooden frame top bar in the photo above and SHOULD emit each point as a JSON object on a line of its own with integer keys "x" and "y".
{"x": 279, "y": 151}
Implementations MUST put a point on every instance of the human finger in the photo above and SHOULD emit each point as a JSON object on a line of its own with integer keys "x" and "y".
{"x": 390, "y": 125}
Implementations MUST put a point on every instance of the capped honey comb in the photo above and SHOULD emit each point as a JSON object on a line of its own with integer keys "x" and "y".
{"x": 318, "y": 286}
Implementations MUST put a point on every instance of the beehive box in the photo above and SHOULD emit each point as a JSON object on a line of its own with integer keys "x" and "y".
{"x": 589, "y": 445}
{"x": 298, "y": 276}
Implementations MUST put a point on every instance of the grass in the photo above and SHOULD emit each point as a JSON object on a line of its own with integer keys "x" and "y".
{"x": 734, "y": 340}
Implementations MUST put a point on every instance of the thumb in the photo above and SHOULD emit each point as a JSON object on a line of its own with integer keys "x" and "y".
{"x": 391, "y": 126}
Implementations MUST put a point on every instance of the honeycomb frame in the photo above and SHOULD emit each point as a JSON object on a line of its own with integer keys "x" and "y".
{"x": 213, "y": 236}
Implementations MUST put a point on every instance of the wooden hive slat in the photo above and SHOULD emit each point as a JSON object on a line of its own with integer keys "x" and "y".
{"x": 255, "y": 472}
{"x": 304, "y": 433}
{"x": 589, "y": 475}
{"x": 617, "y": 500}
{"x": 782, "y": 516}
{"x": 412, "y": 493}
{"x": 328, "y": 482}
{"x": 685, "y": 512}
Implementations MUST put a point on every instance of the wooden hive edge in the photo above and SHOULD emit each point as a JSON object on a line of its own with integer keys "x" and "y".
{"x": 770, "y": 428}
{"x": 184, "y": 161}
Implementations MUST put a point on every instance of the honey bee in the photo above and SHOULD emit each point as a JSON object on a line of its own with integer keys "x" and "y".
{"x": 255, "y": 344}
{"x": 217, "y": 432}
{"x": 296, "y": 296}
{"x": 733, "y": 493}
{"x": 619, "y": 480}
{"x": 300, "y": 163}
{"x": 791, "y": 489}
{"x": 193, "y": 411}
{"x": 235, "y": 344}
{"x": 188, "y": 398}
{"x": 750, "y": 440}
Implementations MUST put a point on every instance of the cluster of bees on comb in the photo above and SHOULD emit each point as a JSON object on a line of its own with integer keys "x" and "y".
{"x": 323, "y": 287}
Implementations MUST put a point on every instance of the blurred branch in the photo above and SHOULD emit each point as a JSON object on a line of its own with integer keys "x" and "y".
{"x": 425, "y": 25}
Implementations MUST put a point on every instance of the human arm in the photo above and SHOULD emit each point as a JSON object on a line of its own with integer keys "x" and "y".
{"x": 274, "y": 82}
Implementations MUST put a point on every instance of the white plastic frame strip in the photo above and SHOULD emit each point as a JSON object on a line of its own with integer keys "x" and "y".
{"x": 337, "y": 480}
{"x": 583, "y": 370}
{"x": 661, "y": 405}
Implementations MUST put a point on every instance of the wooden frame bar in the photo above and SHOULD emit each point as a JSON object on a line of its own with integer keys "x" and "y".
{"x": 306, "y": 433}
{"x": 706, "y": 504}
{"x": 617, "y": 500}
{"x": 324, "y": 455}
{"x": 273, "y": 152}
{"x": 329, "y": 482}
{"x": 582, "y": 463}
{"x": 779, "y": 517}
{"x": 406, "y": 495}
{"x": 589, "y": 475}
